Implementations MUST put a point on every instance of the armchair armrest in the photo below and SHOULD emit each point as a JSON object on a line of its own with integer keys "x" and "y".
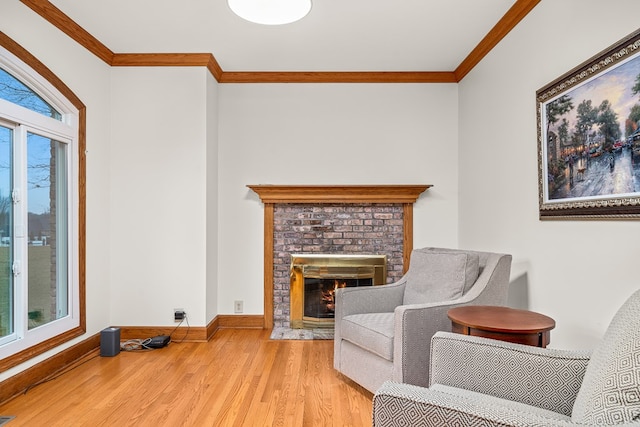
{"x": 414, "y": 325}
{"x": 360, "y": 300}
{"x": 545, "y": 378}
{"x": 368, "y": 299}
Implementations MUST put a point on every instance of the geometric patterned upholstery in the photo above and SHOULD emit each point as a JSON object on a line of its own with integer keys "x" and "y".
{"x": 496, "y": 402}
{"x": 397, "y": 404}
{"x": 544, "y": 378}
{"x": 482, "y": 382}
{"x": 610, "y": 392}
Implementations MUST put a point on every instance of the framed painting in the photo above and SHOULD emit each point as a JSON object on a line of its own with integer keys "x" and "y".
{"x": 589, "y": 138}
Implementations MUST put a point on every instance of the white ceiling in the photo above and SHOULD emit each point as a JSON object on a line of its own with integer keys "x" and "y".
{"x": 337, "y": 35}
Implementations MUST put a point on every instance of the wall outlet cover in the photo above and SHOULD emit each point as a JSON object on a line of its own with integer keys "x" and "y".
{"x": 238, "y": 306}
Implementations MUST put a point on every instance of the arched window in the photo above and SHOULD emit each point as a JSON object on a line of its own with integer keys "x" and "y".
{"x": 13, "y": 90}
{"x": 41, "y": 207}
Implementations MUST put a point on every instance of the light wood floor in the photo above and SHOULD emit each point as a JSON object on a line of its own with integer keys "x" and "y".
{"x": 238, "y": 378}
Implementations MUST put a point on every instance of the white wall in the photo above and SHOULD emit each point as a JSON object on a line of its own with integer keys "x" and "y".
{"x": 158, "y": 194}
{"x": 88, "y": 78}
{"x": 578, "y": 272}
{"x": 329, "y": 134}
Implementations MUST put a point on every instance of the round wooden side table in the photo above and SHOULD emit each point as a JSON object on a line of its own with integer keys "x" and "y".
{"x": 502, "y": 323}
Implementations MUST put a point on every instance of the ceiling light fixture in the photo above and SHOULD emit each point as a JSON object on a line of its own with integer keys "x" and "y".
{"x": 270, "y": 12}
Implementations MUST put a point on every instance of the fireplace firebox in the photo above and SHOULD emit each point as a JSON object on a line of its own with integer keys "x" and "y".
{"x": 315, "y": 277}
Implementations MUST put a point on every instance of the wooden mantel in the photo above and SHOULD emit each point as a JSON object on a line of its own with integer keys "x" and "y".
{"x": 339, "y": 193}
{"x": 318, "y": 194}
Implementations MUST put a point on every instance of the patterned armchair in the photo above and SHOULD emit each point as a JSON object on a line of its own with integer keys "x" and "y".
{"x": 384, "y": 332}
{"x": 481, "y": 382}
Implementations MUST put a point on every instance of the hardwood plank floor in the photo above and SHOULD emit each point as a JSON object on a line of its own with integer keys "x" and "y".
{"x": 238, "y": 378}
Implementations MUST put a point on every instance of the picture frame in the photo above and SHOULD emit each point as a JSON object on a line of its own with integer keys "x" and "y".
{"x": 589, "y": 137}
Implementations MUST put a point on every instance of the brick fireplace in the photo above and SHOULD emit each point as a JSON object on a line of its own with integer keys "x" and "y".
{"x": 374, "y": 219}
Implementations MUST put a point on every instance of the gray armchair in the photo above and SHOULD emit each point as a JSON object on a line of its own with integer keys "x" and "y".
{"x": 384, "y": 332}
{"x": 482, "y": 382}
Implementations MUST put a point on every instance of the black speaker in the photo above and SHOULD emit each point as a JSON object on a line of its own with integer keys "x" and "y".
{"x": 109, "y": 342}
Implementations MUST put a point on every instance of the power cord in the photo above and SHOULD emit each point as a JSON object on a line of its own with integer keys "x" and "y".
{"x": 147, "y": 344}
{"x": 184, "y": 318}
{"x": 136, "y": 345}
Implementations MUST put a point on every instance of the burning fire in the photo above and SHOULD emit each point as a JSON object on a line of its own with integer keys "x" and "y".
{"x": 329, "y": 296}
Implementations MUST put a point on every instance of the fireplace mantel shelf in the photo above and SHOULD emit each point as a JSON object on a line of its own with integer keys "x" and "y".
{"x": 339, "y": 193}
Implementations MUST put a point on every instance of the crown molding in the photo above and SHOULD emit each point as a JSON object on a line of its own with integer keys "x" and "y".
{"x": 60, "y": 20}
{"x": 168, "y": 60}
{"x": 160, "y": 59}
{"x": 339, "y": 77}
{"x": 514, "y": 15}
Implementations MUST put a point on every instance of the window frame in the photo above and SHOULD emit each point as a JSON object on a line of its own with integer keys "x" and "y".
{"x": 28, "y": 69}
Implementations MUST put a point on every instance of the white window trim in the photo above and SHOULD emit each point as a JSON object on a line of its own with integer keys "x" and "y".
{"x": 66, "y": 131}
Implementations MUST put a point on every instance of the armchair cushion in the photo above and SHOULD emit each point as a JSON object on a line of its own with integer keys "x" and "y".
{"x": 371, "y": 331}
{"x": 440, "y": 275}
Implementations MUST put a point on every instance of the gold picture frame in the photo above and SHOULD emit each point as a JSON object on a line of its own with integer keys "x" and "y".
{"x": 589, "y": 138}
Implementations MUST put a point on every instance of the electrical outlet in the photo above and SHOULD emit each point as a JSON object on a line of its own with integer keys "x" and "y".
{"x": 237, "y": 306}
{"x": 179, "y": 314}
